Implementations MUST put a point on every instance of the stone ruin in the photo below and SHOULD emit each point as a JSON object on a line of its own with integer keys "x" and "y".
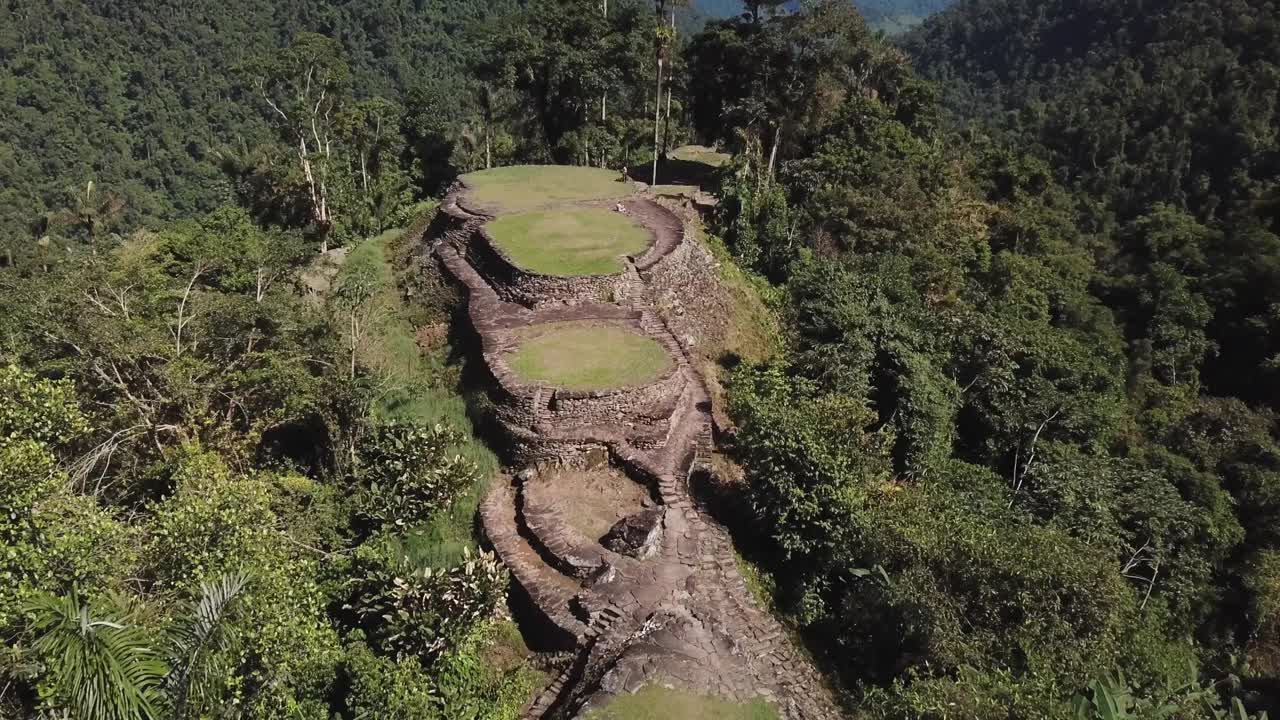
{"x": 658, "y": 598}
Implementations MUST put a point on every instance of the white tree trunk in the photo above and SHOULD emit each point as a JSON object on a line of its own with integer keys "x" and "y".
{"x": 773, "y": 153}
{"x": 657, "y": 124}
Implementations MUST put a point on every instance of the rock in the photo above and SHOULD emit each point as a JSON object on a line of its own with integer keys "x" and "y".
{"x": 596, "y": 457}
{"x": 604, "y": 574}
{"x": 638, "y": 535}
{"x": 527, "y": 474}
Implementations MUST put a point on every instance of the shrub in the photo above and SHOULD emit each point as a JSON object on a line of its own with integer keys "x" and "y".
{"x": 408, "y": 473}
{"x": 420, "y": 612}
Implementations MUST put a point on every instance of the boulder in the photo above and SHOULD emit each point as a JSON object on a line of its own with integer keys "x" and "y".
{"x": 638, "y": 535}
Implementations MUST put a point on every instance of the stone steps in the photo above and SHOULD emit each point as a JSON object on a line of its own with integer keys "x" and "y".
{"x": 568, "y": 550}
{"x": 552, "y": 593}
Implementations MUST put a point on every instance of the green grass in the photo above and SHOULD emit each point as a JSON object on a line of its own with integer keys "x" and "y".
{"x": 586, "y": 356}
{"x": 525, "y": 187}
{"x": 578, "y": 241}
{"x": 699, "y": 154}
{"x": 655, "y": 703}
{"x": 674, "y": 190}
{"x": 754, "y": 332}
{"x": 416, "y": 386}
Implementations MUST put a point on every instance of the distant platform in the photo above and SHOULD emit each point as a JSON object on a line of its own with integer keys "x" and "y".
{"x": 519, "y": 188}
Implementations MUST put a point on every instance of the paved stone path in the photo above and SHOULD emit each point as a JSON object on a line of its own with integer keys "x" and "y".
{"x": 681, "y": 617}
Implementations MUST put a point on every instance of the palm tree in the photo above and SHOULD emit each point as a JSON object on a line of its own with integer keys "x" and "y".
{"x": 109, "y": 669}
{"x": 664, "y": 37}
{"x": 101, "y": 669}
{"x": 201, "y": 641}
{"x": 92, "y": 212}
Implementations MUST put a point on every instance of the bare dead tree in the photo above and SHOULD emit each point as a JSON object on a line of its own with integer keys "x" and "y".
{"x": 1137, "y": 560}
{"x": 184, "y": 319}
{"x": 1020, "y": 475}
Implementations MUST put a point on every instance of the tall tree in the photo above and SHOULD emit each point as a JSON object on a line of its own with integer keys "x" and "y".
{"x": 303, "y": 88}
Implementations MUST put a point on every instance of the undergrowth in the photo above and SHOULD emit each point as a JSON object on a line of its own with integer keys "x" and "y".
{"x": 419, "y": 384}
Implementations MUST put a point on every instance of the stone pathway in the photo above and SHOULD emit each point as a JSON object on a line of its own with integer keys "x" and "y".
{"x": 674, "y": 612}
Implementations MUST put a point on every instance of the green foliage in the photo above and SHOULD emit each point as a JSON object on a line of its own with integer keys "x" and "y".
{"x": 475, "y": 683}
{"x": 207, "y": 636}
{"x": 89, "y": 105}
{"x": 109, "y": 668}
{"x": 191, "y": 333}
{"x": 468, "y": 683}
{"x": 410, "y": 610}
{"x": 560, "y": 57}
{"x": 381, "y": 687}
{"x": 40, "y": 411}
{"x": 205, "y": 422}
{"x": 218, "y": 522}
{"x": 407, "y": 474}
{"x": 100, "y": 668}
{"x": 1110, "y": 697}
{"x": 53, "y": 538}
{"x": 811, "y": 456}
{"x": 996, "y": 349}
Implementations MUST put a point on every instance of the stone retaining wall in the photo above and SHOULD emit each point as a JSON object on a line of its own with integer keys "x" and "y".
{"x": 532, "y": 405}
{"x": 537, "y": 290}
{"x": 685, "y": 290}
{"x": 534, "y": 290}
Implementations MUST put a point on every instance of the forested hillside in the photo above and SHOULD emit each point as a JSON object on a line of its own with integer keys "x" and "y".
{"x": 145, "y": 100}
{"x": 1161, "y": 117}
{"x": 1013, "y": 454}
{"x": 892, "y": 16}
{"x": 1025, "y": 431}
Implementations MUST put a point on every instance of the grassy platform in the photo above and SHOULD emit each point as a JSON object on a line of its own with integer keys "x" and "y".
{"x": 655, "y": 703}
{"x": 586, "y": 355}
{"x": 700, "y": 154}
{"x": 569, "y": 241}
{"x": 524, "y": 187}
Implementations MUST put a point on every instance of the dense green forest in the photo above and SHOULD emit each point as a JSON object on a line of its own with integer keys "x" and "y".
{"x": 1041, "y": 312}
{"x": 1016, "y": 458}
{"x": 149, "y": 101}
{"x": 892, "y": 16}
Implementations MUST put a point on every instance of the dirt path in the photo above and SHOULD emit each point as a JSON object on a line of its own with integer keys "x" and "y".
{"x": 675, "y": 613}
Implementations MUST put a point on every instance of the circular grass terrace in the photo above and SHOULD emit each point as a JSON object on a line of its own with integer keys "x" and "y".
{"x": 569, "y": 241}
{"x": 586, "y": 355}
{"x": 658, "y": 703}
{"x": 518, "y": 188}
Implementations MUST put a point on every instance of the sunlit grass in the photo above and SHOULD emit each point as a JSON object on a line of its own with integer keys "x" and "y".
{"x": 586, "y": 356}
{"x": 699, "y": 154}
{"x": 525, "y": 187}
{"x": 569, "y": 241}
{"x": 413, "y": 387}
{"x": 656, "y": 703}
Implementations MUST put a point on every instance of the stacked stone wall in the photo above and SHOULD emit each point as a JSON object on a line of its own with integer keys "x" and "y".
{"x": 530, "y": 406}
{"x": 687, "y": 293}
{"x": 535, "y": 290}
